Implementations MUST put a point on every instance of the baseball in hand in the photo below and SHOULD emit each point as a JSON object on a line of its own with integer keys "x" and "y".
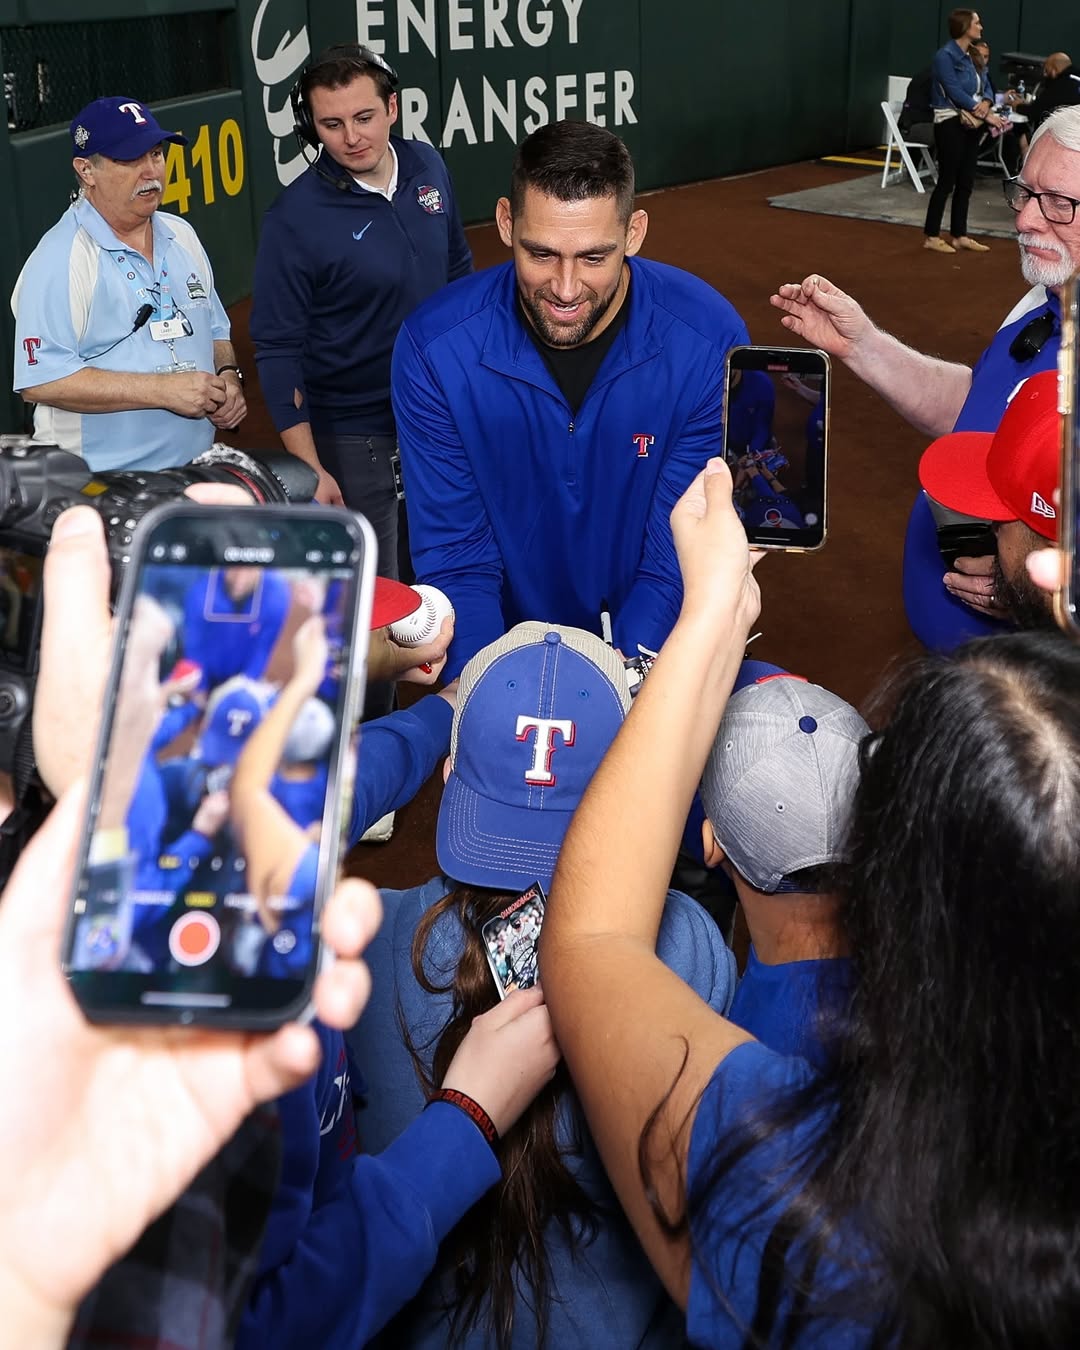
{"x": 423, "y": 624}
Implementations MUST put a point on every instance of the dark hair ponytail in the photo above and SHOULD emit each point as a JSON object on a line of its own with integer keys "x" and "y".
{"x": 960, "y": 22}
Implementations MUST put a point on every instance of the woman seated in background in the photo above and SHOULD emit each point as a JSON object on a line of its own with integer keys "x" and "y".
{"x": 546, "y": 1258}
{"x": 922, "y": 1188}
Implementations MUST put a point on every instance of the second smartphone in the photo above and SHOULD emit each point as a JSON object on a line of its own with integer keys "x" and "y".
{"x": 224, "y": 763}
{"x": 776, "y": 436}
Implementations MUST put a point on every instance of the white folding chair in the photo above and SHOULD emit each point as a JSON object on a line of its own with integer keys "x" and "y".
{"x": 903, "y": 148}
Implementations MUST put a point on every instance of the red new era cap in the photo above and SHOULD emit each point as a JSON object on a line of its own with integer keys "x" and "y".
{"x": 392, "y": 602}
{"x": 1009, "y": 474}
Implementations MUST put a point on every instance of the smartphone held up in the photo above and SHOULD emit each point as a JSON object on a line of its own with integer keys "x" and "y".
{"x": 224, "y": 766}
{"x": 776, "y": 429}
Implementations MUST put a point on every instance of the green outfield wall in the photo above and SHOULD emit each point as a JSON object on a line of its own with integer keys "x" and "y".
{"x": 697, "y": 88}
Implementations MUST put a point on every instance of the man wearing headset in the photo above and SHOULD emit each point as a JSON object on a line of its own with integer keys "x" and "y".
{"x": 121, "y": 341}
{"x": 346, "y": 252}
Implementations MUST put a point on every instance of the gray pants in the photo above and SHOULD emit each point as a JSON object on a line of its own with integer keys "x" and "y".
{"x": 363, "y": 467}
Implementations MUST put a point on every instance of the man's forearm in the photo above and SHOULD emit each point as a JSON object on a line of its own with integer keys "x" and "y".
{"x": 925, "y": 391}
{"x": 224, "y": 355}
{"x": 299, "y": 441}
{"x": 261, "y": 756}
{"x": 95, "y": 391}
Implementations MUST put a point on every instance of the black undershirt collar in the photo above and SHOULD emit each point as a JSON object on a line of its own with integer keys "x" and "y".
{"x": 574, "y": 368}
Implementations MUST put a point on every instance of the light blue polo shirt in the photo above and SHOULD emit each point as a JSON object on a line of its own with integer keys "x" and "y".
{"x": 79, "y": 293}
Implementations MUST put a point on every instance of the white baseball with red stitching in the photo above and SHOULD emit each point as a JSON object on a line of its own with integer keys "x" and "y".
{"x": 423, "y": 624}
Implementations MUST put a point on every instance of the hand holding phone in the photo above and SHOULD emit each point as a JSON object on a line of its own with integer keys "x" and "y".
{"x": 143, "y": 1108}
{"x": 776, "y": 424}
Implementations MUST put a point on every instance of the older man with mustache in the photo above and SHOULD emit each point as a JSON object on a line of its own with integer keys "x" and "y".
{"x": 121, "y": 341}
{"x": 937, "y": 396}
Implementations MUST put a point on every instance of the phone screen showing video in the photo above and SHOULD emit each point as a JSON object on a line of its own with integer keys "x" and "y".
{"x": 775, "y": 433}
{"x": 204, "y": 863}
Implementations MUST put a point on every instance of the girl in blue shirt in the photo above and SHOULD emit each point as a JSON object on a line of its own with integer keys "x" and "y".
{"x": 921, "y": 1188}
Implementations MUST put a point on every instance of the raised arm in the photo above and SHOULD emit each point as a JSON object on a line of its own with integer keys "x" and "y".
{"x": 637, "y": 1040}
{"x": 926, "y": 391}
{"x": 272, "y": 841}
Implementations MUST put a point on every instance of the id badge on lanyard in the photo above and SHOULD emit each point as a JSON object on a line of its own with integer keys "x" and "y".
{"x": 162, "y": 330}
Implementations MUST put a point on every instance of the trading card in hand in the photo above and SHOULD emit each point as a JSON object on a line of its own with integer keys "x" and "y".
{"x": 510, "y": 941}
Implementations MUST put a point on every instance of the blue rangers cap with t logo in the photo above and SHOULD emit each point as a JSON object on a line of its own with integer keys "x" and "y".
{"x": 120, "y": 128}
{"x": 536, "y": 713}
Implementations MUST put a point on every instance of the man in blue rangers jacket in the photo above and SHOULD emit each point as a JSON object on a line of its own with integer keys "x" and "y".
{"x": 345, "y": 253}
{"x": 551, "y": 411}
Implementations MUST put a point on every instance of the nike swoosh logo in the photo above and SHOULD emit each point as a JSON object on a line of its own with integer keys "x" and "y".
{"x": 362, "y": 232}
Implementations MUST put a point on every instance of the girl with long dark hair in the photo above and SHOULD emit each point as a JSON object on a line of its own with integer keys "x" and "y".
{"x": 546, "y": 1258}
{"x": 920, "y": 1188}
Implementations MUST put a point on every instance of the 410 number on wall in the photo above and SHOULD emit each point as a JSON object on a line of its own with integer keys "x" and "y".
{"x": 226, "y": 166}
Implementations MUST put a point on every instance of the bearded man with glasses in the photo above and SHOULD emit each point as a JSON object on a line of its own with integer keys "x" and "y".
{"x": 938, "y": 396}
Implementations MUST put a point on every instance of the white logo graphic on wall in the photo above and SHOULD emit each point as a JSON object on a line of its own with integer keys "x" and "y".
{"x": 483, "y": 106}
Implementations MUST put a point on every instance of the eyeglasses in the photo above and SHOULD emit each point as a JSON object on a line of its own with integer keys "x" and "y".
{"x": 1055, "y": 206}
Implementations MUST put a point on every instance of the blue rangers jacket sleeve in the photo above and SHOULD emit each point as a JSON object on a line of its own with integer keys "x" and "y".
{"x": 649, "y": 612}
{"x": 453, "y": 546}
{"x": 282, "y": 296}
{"x": 352, "y": 1238}
{"x": 396, "y": 756}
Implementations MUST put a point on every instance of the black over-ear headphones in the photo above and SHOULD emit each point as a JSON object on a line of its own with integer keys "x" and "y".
{"x": 356, "y": 54}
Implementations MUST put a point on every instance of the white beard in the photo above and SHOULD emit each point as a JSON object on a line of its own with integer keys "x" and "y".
{"x": 1042, "y": 271}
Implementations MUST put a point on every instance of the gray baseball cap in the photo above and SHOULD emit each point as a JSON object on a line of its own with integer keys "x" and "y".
{"x": 780, "y": 778}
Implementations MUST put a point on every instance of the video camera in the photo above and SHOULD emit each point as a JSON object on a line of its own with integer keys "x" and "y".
{"x": 37, "y": 483}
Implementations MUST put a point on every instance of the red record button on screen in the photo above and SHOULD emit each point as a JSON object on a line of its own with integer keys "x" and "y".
{"x": 194, "y": 939}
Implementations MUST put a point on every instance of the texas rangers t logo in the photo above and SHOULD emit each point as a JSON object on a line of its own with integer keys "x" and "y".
{"x": 30, "y": 346}
{"x": 238, "y": 719}
{"x": 539, "y": 772}
{"x": 135, "y": 110}
{"x": 642, "y": 441}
